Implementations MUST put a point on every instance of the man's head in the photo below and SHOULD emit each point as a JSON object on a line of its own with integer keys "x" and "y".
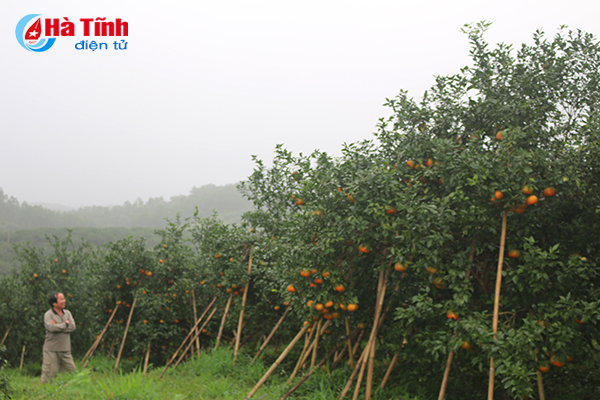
{"x": 57, "y": 300}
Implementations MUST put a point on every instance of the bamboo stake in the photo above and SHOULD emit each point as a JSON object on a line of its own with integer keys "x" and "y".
{"x": 277, "y": 362}
{"x": 366, "y": 352}
{"x": 22, "y": 357}
{"x": 312, "y": 371}
{"x": 318, "y": 332}
{"x": 192, "y": 341}
{"x": 540, "y": 382}
{"x": 315, "y": 346}
{"x": 307, "y": 338}
{"x": 7, "y": 331}
{"x": 354, "y": 372}
{"x": 195, "y": 321}
{"x": 264, "y": 345}
{"x": 389, "y": 371}
{"x": 349, "y": 343}
{"x": 125, "y": 335}
{"x": 362, "y": 371}
{"x": 88, "y": 355}
{"x": 194, "y": 329}
{"x": 354, "y": 350}
{"x": 378, "y": 320}
{"x": 112, "y": 346}
{"x": 446, "y": 375}
{"x": 244, "y": 297}
{"x": 146, "y": 359}
{"x": 223, "y": 320}
{"x": 497, "y": 302}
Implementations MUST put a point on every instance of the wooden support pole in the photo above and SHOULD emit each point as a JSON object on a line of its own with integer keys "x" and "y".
{"x": 240, "y": 322}
{"x": 194, "y": 329}
{"x": 8, "y": 330}
{"x": 112, "y": 346}
{"x": 92, "y": 349}
{"x": 319, "y": 331}
{"x": 277, "y": 362}
{"x": 349, "y": 343}
{"x": 125, "y": 335}
{"x": 446, "y": 375}
{"x": 315, "y": 346}
{"x": 362, "y": 371}
{"x": 540, "y": 382}
{"x": 497, "y": 302}
{"x": 309, "y": 374}
{"x": 354, "y": 372}
{"x": 389, "y": 371}
{"x": 264, "y": 345}
{"x": 377, "y": 323}
{"x": 22, "y": 357}
{"x": 195, "y": 322}
{"x": 146, "y": 359}
{"x": 307, "y": 338}
{"x": 223, "y": 320}
{"x": 191, "y": 343}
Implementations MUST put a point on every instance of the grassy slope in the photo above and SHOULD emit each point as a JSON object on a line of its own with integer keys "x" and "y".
{"x": 210, "y": 376}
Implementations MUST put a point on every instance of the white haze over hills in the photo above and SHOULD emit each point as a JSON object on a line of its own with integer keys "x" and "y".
{"x": 203, "y": 86}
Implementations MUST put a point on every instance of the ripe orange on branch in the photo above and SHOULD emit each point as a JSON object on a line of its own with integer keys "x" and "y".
{"x": 352, "y": 307}
{"x": 452, "y": 315}
{"x": 544, "y": 368}
{"x": 400, "y": 267}
{"x": 498, "y": 195}
{"x": 514, "y": 254}
{"x": 549, "y": 192}
{"x": 527, "y": 190}
{"x": 340, "y": 288}
{"x": 291, "y": 289}
{"x": 391, "y": 211}
{"x": 531, "y": 200}
{"x": 364, "y": 249}
{"x": 300, "y": 202}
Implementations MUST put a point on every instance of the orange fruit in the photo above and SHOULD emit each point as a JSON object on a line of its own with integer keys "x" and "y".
{"x": 411, "y": 163}
{"x": 64, "y": 271}
{"x": 549, "y": 192}
{"x": 310, "y": 303}
{"x": 313, "y": 271}
{"x": 300, "y": 202}
{"x": 340, "y": 288}
{"x": 329, "y": 304}
{"x": 145, "y": 321}
{"x": 429, "y": 162}
{"x": 544, "y": 368}
{"x": 352, "y": 307}
{"x": 160, "y": 261}
{"x": 351, "y": 199}
{"x": 318, "y": 281}
{"x": 400, "y": 268}
{"x": 162, "y": 322}
{"x": 499, "y": 135}
{"x": 276, "y": 308}
{"x": 291, "y": 289}
{"x": 318, "y": 212}
{"x": 514, "y": 254}
{"x": 432, "y": 270}
{"x": 531, "y": 200}
{"x": 319, "y": 307}
{"x": 466, "y": 346}
{"x": 305, "y": 273}
{"x": 56, "y": 260}
{"x": 527, "y": 190}
{"x": 498, "y": 195}
{"x": 556, "y": 362}
{"x": 364, "y": 249}
{"x": 391, "y": 211}
{"x": 361, "y": 326}
{"x": 452, "y": 315}
{"x": 325, "y": 274}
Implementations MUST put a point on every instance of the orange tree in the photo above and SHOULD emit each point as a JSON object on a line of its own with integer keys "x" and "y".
{"x": 429, "y": 195}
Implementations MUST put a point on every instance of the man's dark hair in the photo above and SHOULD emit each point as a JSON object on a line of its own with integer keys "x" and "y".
{"x": 53, "y": 299}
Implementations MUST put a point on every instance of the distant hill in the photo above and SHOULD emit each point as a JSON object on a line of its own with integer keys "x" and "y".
{"x": 21, "y": 222}
{"x": 226, "y": 200}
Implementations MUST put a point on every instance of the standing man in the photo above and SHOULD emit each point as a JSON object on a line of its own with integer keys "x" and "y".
{"x": 59, "y": 324}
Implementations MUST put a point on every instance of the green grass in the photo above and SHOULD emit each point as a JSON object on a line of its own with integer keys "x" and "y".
{"x": 211, "y": 376}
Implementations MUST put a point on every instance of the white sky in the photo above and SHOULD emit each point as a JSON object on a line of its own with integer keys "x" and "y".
{"x": 204, "y": 85}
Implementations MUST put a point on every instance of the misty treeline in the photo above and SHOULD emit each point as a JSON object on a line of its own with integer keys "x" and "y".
{"x": 25, "y": 223}
{"x": 226, "y": 200}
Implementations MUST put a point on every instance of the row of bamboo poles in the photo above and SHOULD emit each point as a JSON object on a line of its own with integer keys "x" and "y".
{"x": 366, "y": 361}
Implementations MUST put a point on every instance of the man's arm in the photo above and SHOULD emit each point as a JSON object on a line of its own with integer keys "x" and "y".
{"x": 52, "y": 326}
{"x": 71, "y": 324}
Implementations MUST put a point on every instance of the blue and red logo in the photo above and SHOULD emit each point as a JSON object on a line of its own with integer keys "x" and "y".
{"x": 29, "y": 34}
{"x": 37, "y": 34}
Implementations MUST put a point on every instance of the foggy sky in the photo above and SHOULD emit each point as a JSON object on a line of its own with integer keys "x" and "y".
{"x": 204, "y": 85}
